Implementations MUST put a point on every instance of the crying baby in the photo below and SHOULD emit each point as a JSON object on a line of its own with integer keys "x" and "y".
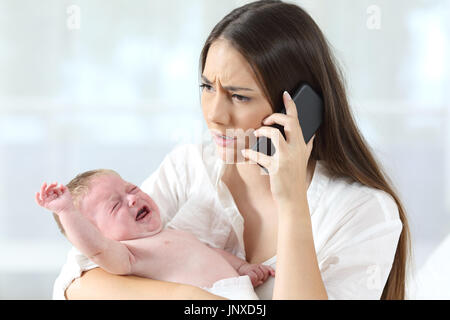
{"x": 118, "y": 226}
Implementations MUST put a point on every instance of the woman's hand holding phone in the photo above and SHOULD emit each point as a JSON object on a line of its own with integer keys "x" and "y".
{"x": 288, "y": 166}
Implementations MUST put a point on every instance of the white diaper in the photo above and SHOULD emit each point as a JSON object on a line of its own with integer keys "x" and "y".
{"x": 235, "y": 288}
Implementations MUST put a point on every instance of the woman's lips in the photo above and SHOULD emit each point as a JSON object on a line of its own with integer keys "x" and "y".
{"x": 222, "y": 140}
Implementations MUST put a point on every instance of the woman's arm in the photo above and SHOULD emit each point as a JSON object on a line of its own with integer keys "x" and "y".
{"x": 298, "y": 273}
{"x": 97, "y": 284}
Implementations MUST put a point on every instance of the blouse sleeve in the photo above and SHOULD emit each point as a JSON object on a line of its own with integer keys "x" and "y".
{"x": 168, "y": 185}
{"x": 356, "y": 260}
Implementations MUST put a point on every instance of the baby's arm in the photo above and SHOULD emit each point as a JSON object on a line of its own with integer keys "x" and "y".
{"x": 258, "y": 273}
{"x": 113, "y": 256}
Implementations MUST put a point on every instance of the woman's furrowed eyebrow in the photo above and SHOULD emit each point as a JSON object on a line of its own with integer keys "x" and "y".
{"x": 229, "y": 88}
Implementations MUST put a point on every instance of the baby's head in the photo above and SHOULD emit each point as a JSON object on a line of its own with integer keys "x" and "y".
{"x": 119, "y": 209}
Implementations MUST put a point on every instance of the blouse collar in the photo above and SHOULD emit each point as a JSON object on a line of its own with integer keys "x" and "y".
{"x": 318, "y": 183}
{"x": 212, "y": 160}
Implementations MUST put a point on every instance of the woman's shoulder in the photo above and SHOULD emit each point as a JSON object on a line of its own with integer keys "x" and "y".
{"x": 348, "y": 195}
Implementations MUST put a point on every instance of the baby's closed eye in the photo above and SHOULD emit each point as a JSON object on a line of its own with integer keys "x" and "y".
{"x": 116, "y": 206}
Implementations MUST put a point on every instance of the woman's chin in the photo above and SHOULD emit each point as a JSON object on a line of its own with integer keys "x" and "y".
{"x": 227, "y": 155}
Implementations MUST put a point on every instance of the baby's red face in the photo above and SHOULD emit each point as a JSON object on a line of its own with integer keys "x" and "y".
{"x": 119, "y": 209}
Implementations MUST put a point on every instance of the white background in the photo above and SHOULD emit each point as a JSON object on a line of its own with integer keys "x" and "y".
{"x": 122, "y": 90}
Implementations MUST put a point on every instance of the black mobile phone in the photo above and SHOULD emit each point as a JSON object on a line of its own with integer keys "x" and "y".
{"x": 310, "y": 115}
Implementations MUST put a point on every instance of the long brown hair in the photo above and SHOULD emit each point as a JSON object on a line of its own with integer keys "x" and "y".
{"x": 285, "y": 47}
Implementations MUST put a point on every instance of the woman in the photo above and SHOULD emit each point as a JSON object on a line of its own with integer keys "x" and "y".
{"x": 325, "y": 213}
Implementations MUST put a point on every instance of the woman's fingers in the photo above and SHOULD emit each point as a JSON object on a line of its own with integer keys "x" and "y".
{"x": 310, "y": 144}
{"x": 291, "y": 110}
{"x": 289, "y": 121}
{"x": 257, "y": 157}
{"x": 278, "y": 118}
{"x": 273, "y": 133}
{"x": 268, "y": 162}
{"x": 289, "y": 104}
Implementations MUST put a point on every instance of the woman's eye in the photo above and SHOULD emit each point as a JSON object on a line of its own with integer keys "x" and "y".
{"x": 241, "y": 98}
{"x": 206, "y": 87}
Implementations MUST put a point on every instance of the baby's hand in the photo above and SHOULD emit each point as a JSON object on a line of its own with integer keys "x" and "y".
{"x": 54, "y": 198}
{"x": 258, "y": 273}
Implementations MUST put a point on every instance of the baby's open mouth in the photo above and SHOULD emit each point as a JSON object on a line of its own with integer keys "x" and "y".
{"x": 142, "y": 213}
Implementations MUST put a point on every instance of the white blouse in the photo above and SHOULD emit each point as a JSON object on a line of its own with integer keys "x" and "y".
{"x": 355, "y": 228}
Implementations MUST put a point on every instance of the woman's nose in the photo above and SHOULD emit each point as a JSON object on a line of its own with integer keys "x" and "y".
{"x": 218, "y": 110}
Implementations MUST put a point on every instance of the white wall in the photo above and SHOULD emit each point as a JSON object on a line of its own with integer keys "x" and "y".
{"x": 122, "y": 90}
